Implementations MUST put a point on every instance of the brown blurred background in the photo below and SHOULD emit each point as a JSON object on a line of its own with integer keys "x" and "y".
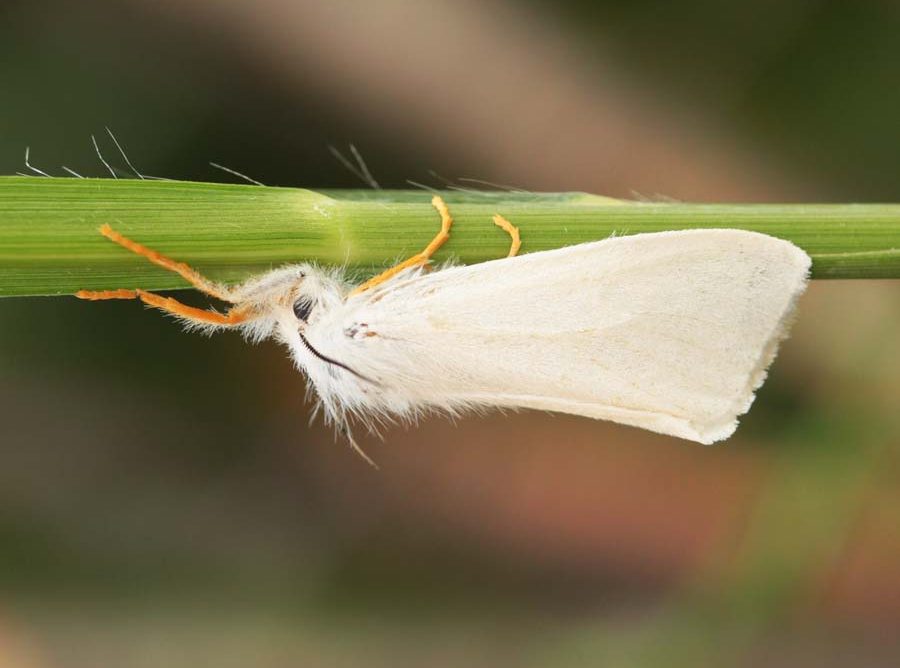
{"x": 163, "y": 501}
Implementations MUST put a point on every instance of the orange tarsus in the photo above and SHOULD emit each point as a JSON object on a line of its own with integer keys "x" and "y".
{"x": 512, "y": 231}
{"x": 189, "y": 274}
{"x": 419, "y": 259}
{"x": 97, "y": 295}
{"x": 441, "y": 237}
{"x": 233, "y": 317}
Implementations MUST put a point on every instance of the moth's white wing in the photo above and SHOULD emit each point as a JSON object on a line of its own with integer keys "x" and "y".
{"x": 670, "y": 331}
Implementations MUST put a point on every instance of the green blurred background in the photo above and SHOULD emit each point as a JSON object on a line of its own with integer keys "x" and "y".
{"x": 163, "y": 501}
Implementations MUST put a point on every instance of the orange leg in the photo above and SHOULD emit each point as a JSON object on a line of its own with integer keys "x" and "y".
{"x": 513, "y": 233}
{"x": 186, "y": 272}
{"x": 419, "y": 259}
{"x": 98, "y": 295}
{"x": 196, "y": 316}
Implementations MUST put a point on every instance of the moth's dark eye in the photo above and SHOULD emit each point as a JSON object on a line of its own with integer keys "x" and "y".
{"x": 302, "y": 307}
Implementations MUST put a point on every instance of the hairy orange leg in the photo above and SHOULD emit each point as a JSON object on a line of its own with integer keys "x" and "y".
{"x": 419, "y": 259}
{"x": 187, "y": 272}
{"x": 513, "y": 232}
{"x": 197, "y": 316}
{"x": 234, "y": 316}
{"x": 98, "y": 295}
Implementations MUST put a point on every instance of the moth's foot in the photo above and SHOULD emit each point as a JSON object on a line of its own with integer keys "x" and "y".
{"x": 513, "y": 232}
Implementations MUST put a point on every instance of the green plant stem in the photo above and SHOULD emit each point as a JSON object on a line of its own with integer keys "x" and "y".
{"x": 49, "y": 243}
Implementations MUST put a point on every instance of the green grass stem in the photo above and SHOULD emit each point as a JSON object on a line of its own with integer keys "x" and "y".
{"x": 49, "y": 243}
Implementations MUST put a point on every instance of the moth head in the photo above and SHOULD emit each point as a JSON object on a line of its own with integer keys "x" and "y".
{"x": 287, "y": 300}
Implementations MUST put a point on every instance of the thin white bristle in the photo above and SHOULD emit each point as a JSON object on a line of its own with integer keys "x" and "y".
{"x": 102, "y": 159}
{"x": 234, "y": 172}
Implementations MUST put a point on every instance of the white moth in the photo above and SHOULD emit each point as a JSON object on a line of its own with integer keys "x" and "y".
{"x": 670, "y": 331}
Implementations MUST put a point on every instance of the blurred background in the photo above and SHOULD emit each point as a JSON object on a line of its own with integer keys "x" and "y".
{"x": 163, "y": 501}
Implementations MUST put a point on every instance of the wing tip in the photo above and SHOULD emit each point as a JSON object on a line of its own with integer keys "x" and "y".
{"x": 726, "y": 424}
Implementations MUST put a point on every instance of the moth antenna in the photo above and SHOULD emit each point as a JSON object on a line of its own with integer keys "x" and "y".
{"x": 329, "y": 360}
{"x": 353, "y": 169}
{"x": 124, "y": 156}
{"x": 359, "y": 450}
{"x": 102, "y": 159}
{"x": 236, "y": 173}
{"x": 72, "y": 172}
{"x": 34, "y": 169}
